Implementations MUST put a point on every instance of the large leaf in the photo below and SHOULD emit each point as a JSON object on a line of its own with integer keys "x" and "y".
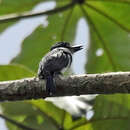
{"x": 112, "y": 112}
{"x": 59, "y": 117}
{"x": 109, "y": 31}
{"x": 28, "y": 115}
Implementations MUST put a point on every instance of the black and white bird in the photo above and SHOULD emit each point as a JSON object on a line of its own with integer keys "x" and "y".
{"x": 54, "y": 62}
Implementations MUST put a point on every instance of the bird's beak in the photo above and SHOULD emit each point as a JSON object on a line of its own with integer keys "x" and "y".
{"x": 76, "y": 48}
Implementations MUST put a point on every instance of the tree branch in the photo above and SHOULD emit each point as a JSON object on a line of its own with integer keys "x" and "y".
{"x": 33, "y": 88}
{"x": 13, "y": 17}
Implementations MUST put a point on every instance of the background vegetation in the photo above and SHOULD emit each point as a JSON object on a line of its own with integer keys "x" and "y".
{"x": 109, "y": 27}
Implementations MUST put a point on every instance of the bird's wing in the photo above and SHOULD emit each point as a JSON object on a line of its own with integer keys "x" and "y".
{"x": 56, "y": 60}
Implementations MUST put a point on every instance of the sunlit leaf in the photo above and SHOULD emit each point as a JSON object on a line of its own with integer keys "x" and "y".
{"x": 109, "y": 32}
{"x": 109, "y": 29}
{"x": 58, "y": 116}
{"x": 111, "y": 112}
{"x": 26, "y": 114}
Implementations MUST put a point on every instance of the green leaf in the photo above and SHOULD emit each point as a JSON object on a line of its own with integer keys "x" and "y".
{"x": 49, "y": 109}
{"x": 39, "y": 42}
{"x": 109, "y": 29}
{"x": 112, "y": 112}
{"x": 58, "y": 117}
{"x": 26, "y": 114}
{"x": 39, "y": 114}
{"x": 12, "y": 72}
{"x": 110, "y": 32}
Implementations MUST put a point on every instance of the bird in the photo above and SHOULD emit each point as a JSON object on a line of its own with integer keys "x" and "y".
{"x": 57, "y": 60}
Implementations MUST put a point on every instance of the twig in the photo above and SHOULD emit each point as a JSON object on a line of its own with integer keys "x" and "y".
{"x": 13, "y": 17}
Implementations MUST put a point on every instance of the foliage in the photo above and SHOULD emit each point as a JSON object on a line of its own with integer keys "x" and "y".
{"x": 109, "y": 28}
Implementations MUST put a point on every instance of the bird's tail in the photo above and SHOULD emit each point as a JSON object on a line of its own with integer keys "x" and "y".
{"x": 50, "y": 85}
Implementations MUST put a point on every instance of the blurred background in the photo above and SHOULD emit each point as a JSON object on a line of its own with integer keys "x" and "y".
{"x": 101, "y": 26}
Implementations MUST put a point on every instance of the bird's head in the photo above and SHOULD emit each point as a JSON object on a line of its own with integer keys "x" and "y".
{"x": 67, "y": 45}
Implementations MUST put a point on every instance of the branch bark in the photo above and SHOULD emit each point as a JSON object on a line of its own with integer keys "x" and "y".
{"x": 33, "y": 88}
